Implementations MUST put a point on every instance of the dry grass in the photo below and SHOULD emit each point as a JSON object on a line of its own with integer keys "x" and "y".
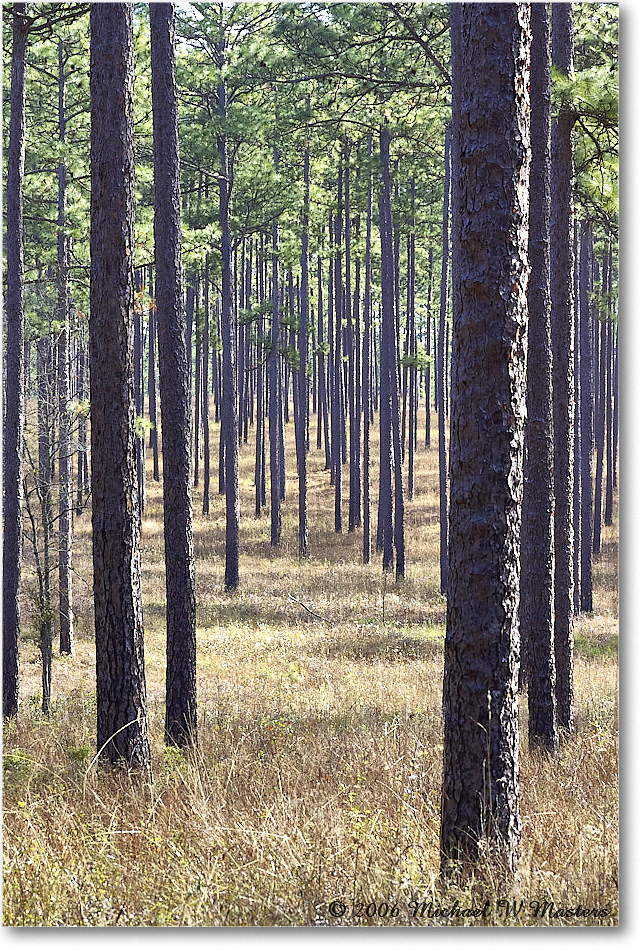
{"x": 319, "y": 766}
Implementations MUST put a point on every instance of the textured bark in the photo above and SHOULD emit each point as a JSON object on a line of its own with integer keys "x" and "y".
{"x": 440, "y": 375}
{"x": 536, "y": 592}
{"x": 480, "y": 799}
{"x": 586, "y": 414}
{"x": 175, "y": 397}
{"x": 563, "y": 388}
{"x": 15, "y": 371}
{"x": 120, "y": 674}
{"x": 65, "y": 466}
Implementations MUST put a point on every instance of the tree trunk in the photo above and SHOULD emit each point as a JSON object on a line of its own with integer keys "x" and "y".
{"x": 440, "y": 375}
{"x": 15, "y": 371}
{"x": 562, "y": 339}
{"x": 120, "y": 672}
{"x": 229, "y": 423}
{"x": 304, "y": 544}
{"x": 338, "y": 415}
{"x": 600, "y": 422}
{"x": 608, "y": 504}
{"x": 273, "y": 382}
{"x": 45, "y": 451}
{"x": 180, "y": 702}
{"x": 151, "y": 377}
{"x": 65, "y": 500}
{"x": 586, "y": 409}
{"x": 536, "y": 594}
{"x": 206, "y": 388}
{"x": 385, "y": 535}
{"x": 367, "y": 382}
{"x": 480, "y": 800}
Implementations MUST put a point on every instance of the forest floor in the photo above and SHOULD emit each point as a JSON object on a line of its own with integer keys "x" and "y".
{"x": 318, "y": 772}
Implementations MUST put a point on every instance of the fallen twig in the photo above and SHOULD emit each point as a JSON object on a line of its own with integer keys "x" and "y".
{"x": 311, "y": 612}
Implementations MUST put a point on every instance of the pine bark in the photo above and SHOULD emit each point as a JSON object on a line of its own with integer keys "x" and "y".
{"x": 15, "y": 371}
{"x": 536, "y": 594}
{"x": 175, "y": 397}
{"x": 562, "y": 334}
{"x": 122, "y": 731}
{"x": 480, "y": 799}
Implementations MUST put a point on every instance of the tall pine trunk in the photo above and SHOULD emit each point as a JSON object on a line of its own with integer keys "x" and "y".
{"x": 562, "y": 334}
{"x": 480, "y": 801}
{"x": 586, "y": 415}
{"x": 15, "y": 371}
{"x": 536, "y": 594}
{"x": 440, "y": 375}
{"x": 229, "y": 423}
{"x": 180, "y": 701}
{"x": 122, "y": 731}
{"x": 304, "y": 544}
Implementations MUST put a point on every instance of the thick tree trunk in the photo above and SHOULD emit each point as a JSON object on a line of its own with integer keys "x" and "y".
{"x": 180, "y": 702}
{"x": 562, "y": 338}
{"x": 120, "y": 671}
{"x": 15, "y": 371}
{"x": 480, "y": 799}
{"x": 536, "y": 593}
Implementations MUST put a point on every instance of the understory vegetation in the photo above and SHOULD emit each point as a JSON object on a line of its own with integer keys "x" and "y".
{"x": 318, "y": 772}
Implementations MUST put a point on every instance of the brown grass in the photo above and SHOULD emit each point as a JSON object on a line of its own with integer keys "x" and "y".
{"x": 318, "y": 772}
